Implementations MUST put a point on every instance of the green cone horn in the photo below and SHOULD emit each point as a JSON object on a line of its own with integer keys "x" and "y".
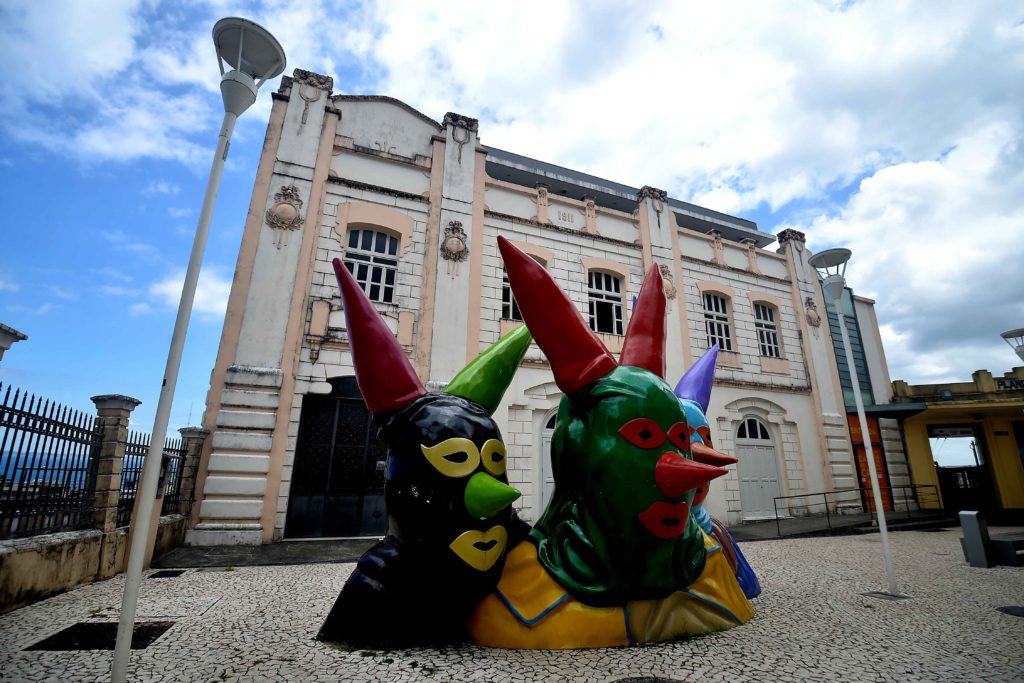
{"x": 487, "y": 377}
{"x": 486, "y": 496}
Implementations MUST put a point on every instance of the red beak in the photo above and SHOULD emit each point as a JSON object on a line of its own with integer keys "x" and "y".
{"x": 709, "y": 456}
{"x": 675, "y": 475}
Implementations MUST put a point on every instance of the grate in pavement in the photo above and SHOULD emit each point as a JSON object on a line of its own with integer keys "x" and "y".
{"x": 216, "y": 569}
{"x": 647, "y": 679}
{"x": 92, "y": 635}
{"x": 166, "y": 574}
{"x": 882, "y": 595}
{"x": 1015, "y": 610}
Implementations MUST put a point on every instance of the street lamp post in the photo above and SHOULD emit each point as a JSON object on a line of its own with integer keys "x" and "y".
{"x": 1015, "y": 338}
{"x": 831, "y": 267}
{"x": 254, "y": 56}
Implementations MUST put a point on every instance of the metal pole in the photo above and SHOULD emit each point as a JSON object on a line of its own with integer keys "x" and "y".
{"x": 151, "y": 467}
{"x": 883, "y": 531}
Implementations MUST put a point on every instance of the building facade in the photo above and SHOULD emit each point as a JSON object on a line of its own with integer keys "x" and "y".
{"x": 990, "y": 411}
{"x": 414, "y": 206}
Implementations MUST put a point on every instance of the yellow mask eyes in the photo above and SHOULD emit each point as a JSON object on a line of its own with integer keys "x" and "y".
{"x": 493, "y": 457}
{"x": 456, "y": 457}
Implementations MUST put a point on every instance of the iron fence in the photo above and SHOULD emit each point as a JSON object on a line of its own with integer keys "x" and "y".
{"x": 46, "y": 453}
{"x": 828, "y": 510}
{"x": 131, "y": 470}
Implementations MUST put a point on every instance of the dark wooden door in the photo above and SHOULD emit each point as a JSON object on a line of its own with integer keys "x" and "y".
{"x": 337, "y": 486}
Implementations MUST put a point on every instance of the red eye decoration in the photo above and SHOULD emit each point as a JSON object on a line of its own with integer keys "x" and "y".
{"x": 643, "y": 432}
{"x": 705, "y": 434}
{"x": 679, "y": 435}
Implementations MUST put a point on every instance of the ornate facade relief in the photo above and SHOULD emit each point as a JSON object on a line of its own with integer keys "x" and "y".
{"x": 718, "y": 247}
{"x": 285, "y": 215}
{"x": 463, "y": 128}
{"x": 310, "y": 85}
{"x": 453, "y": 246}
{"x": 667, "y": 283}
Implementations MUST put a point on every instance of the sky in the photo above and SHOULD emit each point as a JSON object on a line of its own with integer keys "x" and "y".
{"x": 895, "y": 129}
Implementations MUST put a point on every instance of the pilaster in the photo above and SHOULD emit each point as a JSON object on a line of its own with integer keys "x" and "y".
{"x": 112, "y": 414}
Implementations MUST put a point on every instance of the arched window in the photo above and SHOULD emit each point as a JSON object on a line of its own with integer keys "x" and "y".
{"x": 716, "y": 321}
{"x": 372, "y": 258}
{"x": 765, "y": 322}
{"x": 604, "y": 296}
{"x": 753, "y": 429}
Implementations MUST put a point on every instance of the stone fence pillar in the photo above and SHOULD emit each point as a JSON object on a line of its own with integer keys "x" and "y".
{"x": 193, "y": 439}
{"x": 112, "y": 411}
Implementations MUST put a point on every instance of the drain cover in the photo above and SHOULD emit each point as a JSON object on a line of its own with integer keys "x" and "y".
{"x": 647, "y": 679}
{"x": 166, "y": 574}
{"x": 1013, "y": 611}
{"x": 93, "y": 635}
{"x": 881, "y": 595}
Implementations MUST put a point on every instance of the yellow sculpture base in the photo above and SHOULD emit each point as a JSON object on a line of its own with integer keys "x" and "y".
{"x": 529, "y": 610}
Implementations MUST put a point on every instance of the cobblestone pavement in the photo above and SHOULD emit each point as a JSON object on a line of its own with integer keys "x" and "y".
{"x": 257, "y": 624}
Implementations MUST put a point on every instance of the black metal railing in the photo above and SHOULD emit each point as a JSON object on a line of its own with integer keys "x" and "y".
{"x": 131, "y": 471}
{"x": 46, "y": 453}
{"x": 828, "y": 510}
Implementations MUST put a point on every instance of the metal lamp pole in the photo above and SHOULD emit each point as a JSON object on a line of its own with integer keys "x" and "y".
{"x": 831, "y": 264}
{"x": 255, "y": 54}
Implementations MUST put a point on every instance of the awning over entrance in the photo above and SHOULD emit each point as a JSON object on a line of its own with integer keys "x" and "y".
{"x": 896, "y": 411}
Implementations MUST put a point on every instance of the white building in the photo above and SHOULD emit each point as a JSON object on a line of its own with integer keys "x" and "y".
{"x": 418, "y": 204}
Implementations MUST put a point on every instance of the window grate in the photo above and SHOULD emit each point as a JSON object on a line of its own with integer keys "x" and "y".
{"x": 372, "y": 258}
{"x": 716, "y": 321}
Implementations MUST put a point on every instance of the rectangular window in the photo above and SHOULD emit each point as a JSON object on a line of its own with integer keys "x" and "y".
{"x": 372, "y": 258}
{"x": 767, "y": 331}
{"x": 509, "y": 307}
{"x": 604, "y": 298}
{"x": 716, "y": 321}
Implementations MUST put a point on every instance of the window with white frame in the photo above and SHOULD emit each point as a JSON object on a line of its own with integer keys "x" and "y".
{"x": 753, "y": 429}
{"x": 604, "y": 297}
{"x": 509, "y": 307}
{"x": 716, "y": 321}
{"x": 767, "y": 330}
{"x": 372, "y": 258}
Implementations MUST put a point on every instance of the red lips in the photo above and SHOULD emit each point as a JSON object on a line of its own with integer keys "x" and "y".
{"x": 665, "y": 520}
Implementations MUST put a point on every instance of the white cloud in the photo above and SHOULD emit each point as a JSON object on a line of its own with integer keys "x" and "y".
{"x": 42, "y": 309}
{"x": 140, "y": 308}
{"x": 161, "y": 187}
{"x": 122, "y": 241}
{"x": 938, "y": 245}
{"x": 211, "y": 299}
{"x": 63, "y": 293}
{"x": 7, "y": 283}
{"x": 179, "y": 212}
{"x": 117, "y": 290}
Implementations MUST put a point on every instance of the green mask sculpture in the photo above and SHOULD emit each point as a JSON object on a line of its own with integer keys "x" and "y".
{"x": 618, "y": 526}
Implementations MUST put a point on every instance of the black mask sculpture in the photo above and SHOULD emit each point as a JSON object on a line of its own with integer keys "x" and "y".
{"x": 447, "y": 494}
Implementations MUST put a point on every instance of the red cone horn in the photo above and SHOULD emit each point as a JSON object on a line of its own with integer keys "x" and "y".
{"x": 644, "y": 345}
{"x": 577, "y": 356}
{"x": 384, "y": 374}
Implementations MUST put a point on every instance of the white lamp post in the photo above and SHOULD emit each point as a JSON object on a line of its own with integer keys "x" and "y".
{"x": 831, "y": 267}
{"x": 254, "y": 56}
{"x": 1015, "y": 338}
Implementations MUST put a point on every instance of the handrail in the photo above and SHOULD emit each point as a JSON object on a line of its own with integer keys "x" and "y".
{"x": 916, "y": 490}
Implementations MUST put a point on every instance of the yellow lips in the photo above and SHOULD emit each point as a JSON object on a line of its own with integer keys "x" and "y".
{"x": 481, "y": 549}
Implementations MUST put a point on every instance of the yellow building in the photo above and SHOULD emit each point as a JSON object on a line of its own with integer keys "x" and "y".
{"x": 989, "y": 409}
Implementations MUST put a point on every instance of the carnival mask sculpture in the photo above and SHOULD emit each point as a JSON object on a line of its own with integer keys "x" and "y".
{"x": 694, "y": 392}
{"x": 446, "y": 490}
{"x": 617, "y": 540}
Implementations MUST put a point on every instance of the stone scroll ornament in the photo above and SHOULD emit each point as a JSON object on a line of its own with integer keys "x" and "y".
{"x": 447, "y": 494}
{"x": 616, "y": 558}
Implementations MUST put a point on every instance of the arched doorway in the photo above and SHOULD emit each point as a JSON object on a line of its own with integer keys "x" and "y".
{"x": 337, "y": 487}
{"x": 758, "y": 469}
{"x": 547, "y": 479}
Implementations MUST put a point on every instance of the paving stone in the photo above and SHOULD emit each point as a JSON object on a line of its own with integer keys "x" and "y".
{"x": 812, "y": 624}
